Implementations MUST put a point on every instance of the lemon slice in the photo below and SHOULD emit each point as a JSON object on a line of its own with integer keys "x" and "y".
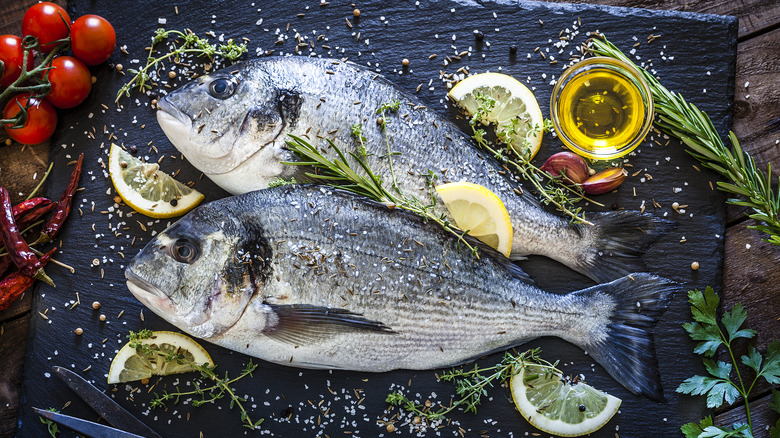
{"x": 560, "y": 407}
{"x": 516, "y": 112}
{"x": 480, "y": 212}
{"x": 148, "y": 190}
{"x": 130, "y": 364}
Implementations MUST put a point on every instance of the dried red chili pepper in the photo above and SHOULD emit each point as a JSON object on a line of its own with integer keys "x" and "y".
{"x": 18, "y": 250}
{"x": 16, "y": 283}
{"x": 56, "y": 220}
{"x": 23, "y": 207}
{"x": 30, "y": 218}
{"x": 5, "y": 263}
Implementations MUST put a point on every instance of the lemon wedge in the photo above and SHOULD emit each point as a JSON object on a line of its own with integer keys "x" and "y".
{"x": 559, "y": 407}
{"x": 480, "y": 212}
{"x": 148, "y": 190}
{"x": 132, "y": 364}
{"x": 516, "y": 112}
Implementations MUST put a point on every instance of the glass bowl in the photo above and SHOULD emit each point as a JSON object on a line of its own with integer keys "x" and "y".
{"x": 602, "y": 108}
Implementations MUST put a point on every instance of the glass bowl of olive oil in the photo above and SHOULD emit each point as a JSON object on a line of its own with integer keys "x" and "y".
{"x": 602, "y": 108}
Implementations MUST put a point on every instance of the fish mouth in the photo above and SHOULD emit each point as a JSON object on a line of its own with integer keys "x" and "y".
{"x": 148, "y": 294}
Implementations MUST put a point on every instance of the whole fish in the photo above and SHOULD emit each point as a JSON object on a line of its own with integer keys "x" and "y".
{"x": 313, "y": 277}
{"x": 233, "y": 124}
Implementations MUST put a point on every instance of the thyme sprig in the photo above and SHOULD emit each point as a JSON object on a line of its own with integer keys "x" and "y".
{"x": 688, "y": 123}
{"x": 220, "y": 386}
{"x": 186, "y": 42}
{"x": 471, "y": 385}
{"x": 551, "y": 189}
{"x": 351, "y": 172}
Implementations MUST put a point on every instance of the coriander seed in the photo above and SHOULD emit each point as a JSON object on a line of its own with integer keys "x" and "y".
{"x": 102, "y": 317}
{"x": 356, "y": 12}
{"x": 405, "y": 62}
{"x": 96, "y": 305}
{"x": 171, "y": 74}
{"x": 390, "y": 428}
{"x": 119, "y": 67}
{"x": 695, "y": 266}
{"x": 78, "y": 331}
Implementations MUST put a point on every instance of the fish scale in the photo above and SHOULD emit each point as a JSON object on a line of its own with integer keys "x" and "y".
{"x": 320, "y": 100}
{"x": 312, "y": 277}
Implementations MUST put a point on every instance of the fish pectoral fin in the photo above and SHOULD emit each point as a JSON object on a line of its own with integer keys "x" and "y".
{"x": 303, "y": 323}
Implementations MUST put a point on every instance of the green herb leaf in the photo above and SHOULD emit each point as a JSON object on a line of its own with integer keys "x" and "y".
{"x": 753, "y": 359}
{"x": 693, "y": 430}
{"x": 733, "y": 320}
{"x": 771, "y": 369}
{"x": 774, "y": 432}
{"x": 704, "y": 308}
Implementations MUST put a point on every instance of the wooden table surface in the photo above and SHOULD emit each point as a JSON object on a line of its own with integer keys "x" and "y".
{"x": 751, "y": 267}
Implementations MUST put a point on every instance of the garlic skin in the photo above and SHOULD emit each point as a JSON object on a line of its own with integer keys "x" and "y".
{"x": 605, "y": 181}
{"x": 572, "y": 166}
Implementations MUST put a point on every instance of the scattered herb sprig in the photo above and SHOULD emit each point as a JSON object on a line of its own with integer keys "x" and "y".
{"x": 688, "y": 123}
{"x": 471, "y": 385}
{"x": 552, "y": 189}
{"x": 52, "y": 427}
{"x": 718, "y": 386}
{"x": 220, "y": 387}
{"x": 341, "y": 173}
{"x": 186, "y": 42}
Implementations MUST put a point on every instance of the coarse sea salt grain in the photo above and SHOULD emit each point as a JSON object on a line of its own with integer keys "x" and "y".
{"x": 162, "y": 20}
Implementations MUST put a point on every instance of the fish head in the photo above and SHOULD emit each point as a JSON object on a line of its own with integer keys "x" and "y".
{"x": 201, "y": 273}
{"x": 221, "y": 121}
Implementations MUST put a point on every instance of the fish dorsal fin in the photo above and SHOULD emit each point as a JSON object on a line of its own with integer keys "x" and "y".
{"x": 304, "y": 323}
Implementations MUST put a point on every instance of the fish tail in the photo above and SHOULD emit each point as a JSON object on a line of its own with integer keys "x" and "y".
{"x": 613, "y": 247}
{"x": 623, "y": 344}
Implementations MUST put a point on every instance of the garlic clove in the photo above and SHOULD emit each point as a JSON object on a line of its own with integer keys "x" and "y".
{"x": 605, "y": 181}
{"x": 570, "y": 165}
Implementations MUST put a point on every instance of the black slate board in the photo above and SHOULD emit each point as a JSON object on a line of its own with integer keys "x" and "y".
{"x": 695, "y": 55}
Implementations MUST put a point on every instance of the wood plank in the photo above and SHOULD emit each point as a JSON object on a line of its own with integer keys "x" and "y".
{"x": 756, "y": 119}
{"x": 751, "y": 274}
{"x": 12, "y": 343}
{"x": 755, "y": 16}
{"x": 761, "y": 414}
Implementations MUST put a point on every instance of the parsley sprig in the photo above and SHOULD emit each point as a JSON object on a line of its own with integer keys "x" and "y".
{"x": 185, "y": 42}
{"x": 219, "y": 388}
{"x": 718, "y": 386}
{"x": 471, "y": 385}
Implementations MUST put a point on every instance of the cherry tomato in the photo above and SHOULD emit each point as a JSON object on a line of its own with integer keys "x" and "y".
{"x": 70, "y": 82}
{"x": 47, "y": 22}
{"x": 92, "y": 39}
{"x": 41, "y": 119}
{"x": 12, "y": 54}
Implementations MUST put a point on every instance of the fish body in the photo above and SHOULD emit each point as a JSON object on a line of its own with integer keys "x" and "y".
{"x": 233, "y": 124}
{"x": 313, "y": 277}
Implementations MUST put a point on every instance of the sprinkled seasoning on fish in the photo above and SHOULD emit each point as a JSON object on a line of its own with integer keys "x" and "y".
{"x": 232, "y": 125}
{"x": 311, "y": 277}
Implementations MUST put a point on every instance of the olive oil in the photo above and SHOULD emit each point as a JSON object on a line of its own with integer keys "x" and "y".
{"x": 601, "y": 111}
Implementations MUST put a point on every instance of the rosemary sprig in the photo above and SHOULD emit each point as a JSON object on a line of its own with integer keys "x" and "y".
{"x": 688, "y": 123}
{"x": 186, "y": 42}
{"x": 341, "y": 173}
{"x": 471, "y": 385}
{"x": 219, "y": 388}
{"x": 551, "y": 189}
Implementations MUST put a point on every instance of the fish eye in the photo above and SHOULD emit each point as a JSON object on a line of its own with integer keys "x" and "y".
{"x": 222, "y": 88}
{"x": 184, "y": 251}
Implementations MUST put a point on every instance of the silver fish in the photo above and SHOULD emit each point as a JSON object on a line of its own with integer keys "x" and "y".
{"x": 232, "y": 125}
{"x": 313, "y": 277}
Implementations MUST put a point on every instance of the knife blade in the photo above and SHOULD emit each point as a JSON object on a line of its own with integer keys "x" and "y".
{"x": 110, "y": 410}
{"x": 88, "y": 428}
